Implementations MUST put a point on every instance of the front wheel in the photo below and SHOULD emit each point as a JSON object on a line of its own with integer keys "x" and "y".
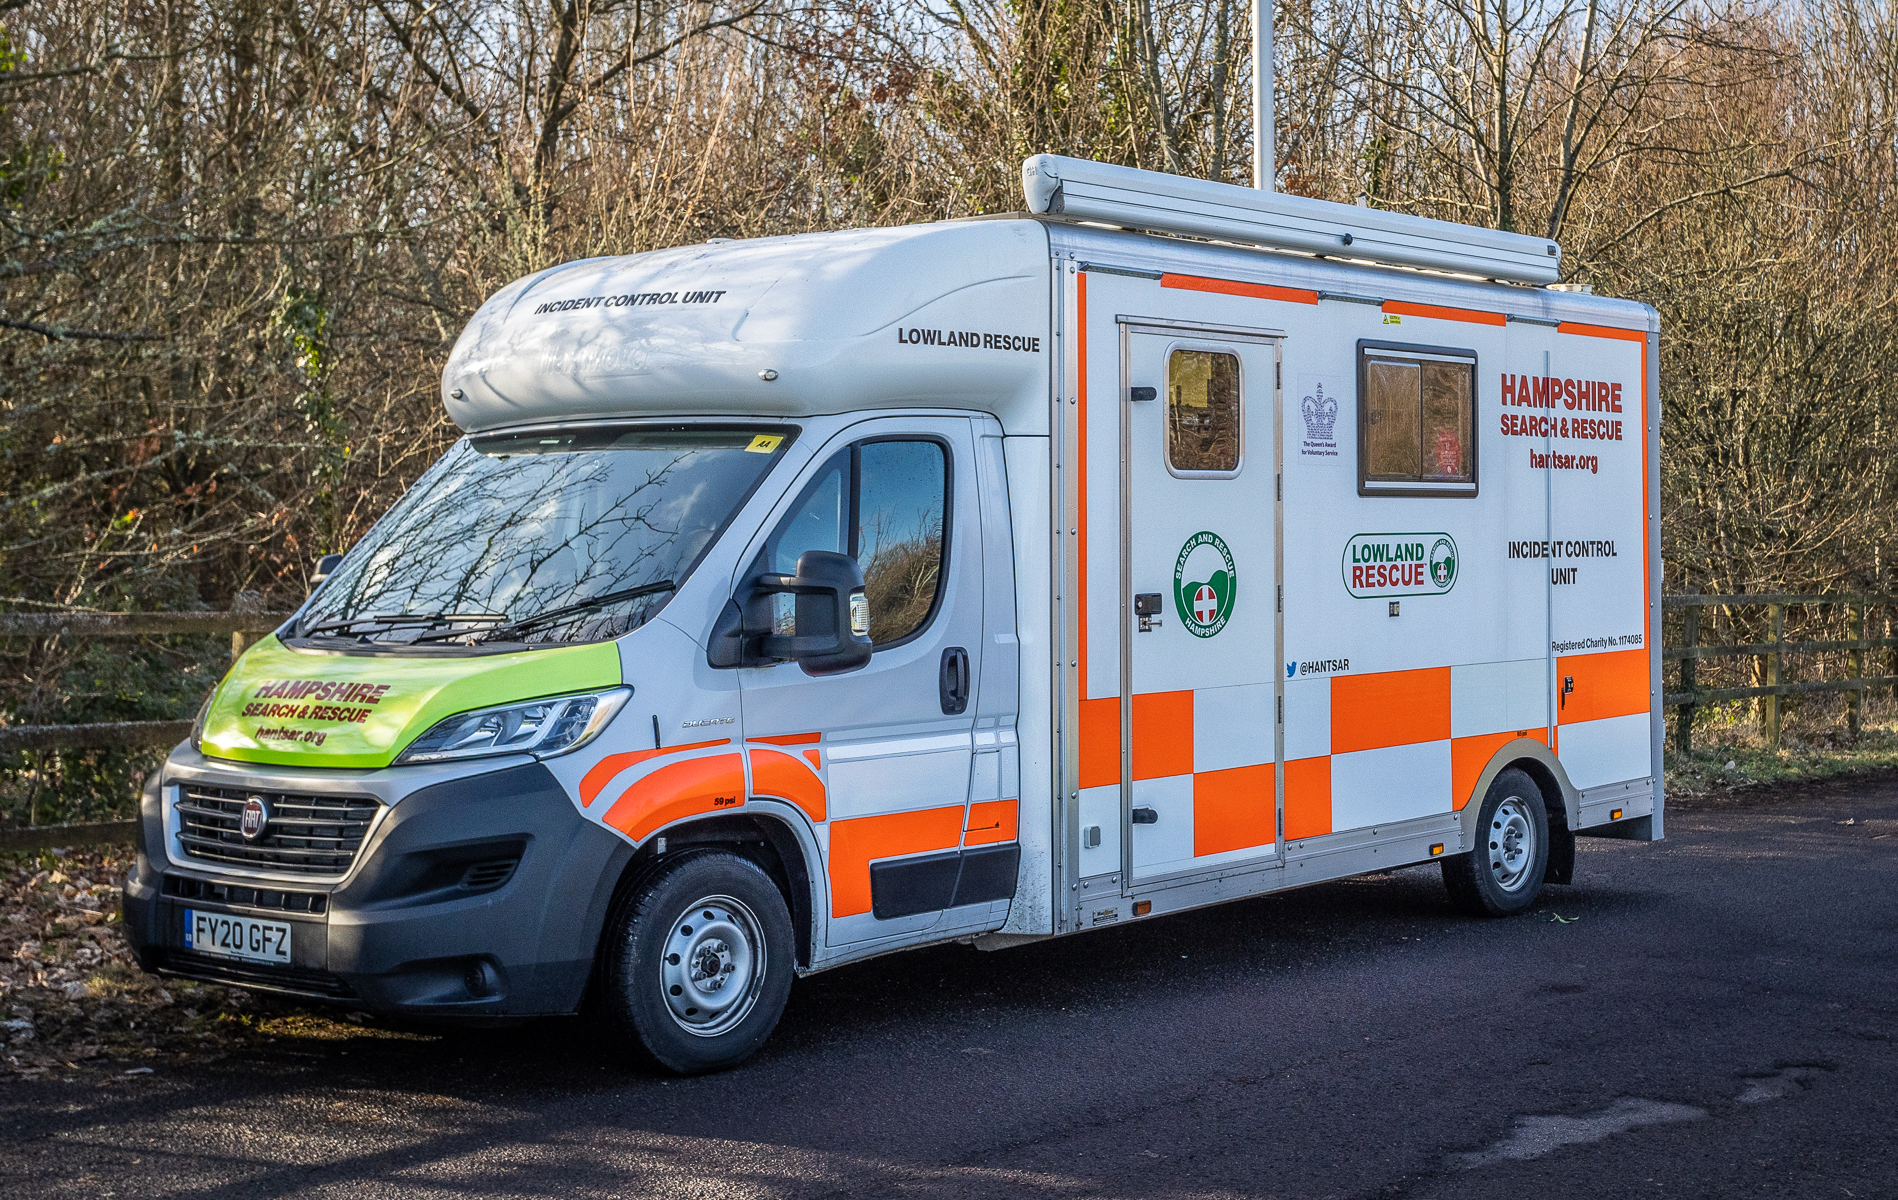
{"x": 1503, "y": 873}
{"x": 699, "y": 962}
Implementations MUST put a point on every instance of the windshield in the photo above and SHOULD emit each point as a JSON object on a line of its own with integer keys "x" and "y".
{"x": 567, "y": 536}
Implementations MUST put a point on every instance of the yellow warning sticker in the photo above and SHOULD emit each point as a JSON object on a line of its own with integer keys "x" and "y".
{"x": 764, "y": 443}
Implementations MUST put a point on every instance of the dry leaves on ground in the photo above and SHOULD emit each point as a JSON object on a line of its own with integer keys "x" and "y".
{"x": 70, "y": 989}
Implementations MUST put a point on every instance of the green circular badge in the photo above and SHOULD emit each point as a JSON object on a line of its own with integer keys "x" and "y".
{"x": 1443, "y": 563}
{"x": 1205, "y": 584}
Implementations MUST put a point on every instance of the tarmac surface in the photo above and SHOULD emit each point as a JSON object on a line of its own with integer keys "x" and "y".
{"x": 1713, "y": 1015}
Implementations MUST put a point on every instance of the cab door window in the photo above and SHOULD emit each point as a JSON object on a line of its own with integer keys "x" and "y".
{"x": 886, "y": 504}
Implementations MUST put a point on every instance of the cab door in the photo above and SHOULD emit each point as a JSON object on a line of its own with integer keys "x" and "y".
{"x": 1200, "y": 626}
{"x": 879, "y": 758}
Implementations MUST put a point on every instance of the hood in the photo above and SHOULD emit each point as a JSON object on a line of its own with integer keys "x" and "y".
{"x": 317, "y": 709}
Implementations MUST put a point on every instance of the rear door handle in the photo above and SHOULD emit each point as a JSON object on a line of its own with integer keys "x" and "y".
{"x": 953, "y": 680}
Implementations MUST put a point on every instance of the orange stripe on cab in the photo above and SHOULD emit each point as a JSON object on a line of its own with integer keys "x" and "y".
{"x": 1405, "y": 308}
{"x": 853, "y": 843}
{"x": 991, "y": 821}
{"x": 1389, "y": 708}
{"x": 1469, "y": 755}
{"x": 603, "y": 771}
{"x": 1232, "y": 809}
{"x": 789, "y": 739}
{"x": 1612, "y": 684}
{"x": 1232, "y": 287}
{"x": 774, "y": 773}
{"x": 676, "y": 790}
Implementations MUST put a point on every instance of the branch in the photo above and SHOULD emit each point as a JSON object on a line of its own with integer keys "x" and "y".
{"x": 56, "y": 333}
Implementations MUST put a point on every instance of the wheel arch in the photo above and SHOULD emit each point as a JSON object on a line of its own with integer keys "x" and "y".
{"x": 1540, "y": 764}
{"x": 767, "y": 832}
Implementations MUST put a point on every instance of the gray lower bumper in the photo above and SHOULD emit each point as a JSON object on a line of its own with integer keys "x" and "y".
{"x": 412, "y": 929}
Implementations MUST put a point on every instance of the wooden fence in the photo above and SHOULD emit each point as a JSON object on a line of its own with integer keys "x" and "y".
{"x": 1772, "y": 658}
{"x": 244, "y": 628}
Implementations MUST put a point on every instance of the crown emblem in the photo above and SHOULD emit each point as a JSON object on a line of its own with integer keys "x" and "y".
{"x": 1321, "y": 413}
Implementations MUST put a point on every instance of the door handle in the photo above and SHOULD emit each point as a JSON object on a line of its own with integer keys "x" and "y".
{"x": 952, "y": 680}
{"x": 1147, "y": 608}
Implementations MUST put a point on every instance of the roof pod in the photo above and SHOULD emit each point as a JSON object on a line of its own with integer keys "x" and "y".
{"x": 946, "y": 315}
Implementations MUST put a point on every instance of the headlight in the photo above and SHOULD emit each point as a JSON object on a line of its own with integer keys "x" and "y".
{"x": 197, "y": 726}
{"x": 542, "y": 728}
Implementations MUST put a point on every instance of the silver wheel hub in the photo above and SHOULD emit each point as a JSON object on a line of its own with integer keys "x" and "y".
{"x": 1512, "y": 844}
{"x": 712, "y": 967}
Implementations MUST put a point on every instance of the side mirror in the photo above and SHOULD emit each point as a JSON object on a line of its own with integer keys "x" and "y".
{"x": 830, "y": 631}
{"x": 325, "y": 567}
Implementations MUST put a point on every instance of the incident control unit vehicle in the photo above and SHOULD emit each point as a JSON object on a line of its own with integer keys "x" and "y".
{"x": 796, "y": 600}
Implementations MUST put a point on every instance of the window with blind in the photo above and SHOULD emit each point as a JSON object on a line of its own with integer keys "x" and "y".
{"x": 1416, "y": 420}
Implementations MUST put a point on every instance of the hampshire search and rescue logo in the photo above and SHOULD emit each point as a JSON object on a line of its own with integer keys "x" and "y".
{"x": 1400, "y": 564}
{"x": 1204, "y": 584}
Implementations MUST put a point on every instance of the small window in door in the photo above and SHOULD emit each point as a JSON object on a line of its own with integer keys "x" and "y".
{"x": 1416, "y": 420}
{"x": 885, "y": 503}
{"x": 1202, "y": 412}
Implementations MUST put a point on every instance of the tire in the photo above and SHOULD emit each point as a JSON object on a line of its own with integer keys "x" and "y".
{"x": 1503, "y": 875}
{"x": 693, "y": 992}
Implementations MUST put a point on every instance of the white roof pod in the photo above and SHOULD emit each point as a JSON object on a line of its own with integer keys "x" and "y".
{"x": 859, "y": 320}
{"x": 1090, "y": 191}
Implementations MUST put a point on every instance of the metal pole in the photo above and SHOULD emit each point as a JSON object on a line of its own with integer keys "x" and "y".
{"x": 1264, "y": 146}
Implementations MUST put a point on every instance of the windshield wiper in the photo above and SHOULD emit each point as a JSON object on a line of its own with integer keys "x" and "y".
{"x": 554, "y": 615}
{"x": 395, "y": 621}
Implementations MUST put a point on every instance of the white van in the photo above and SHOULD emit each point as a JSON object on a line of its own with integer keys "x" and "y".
{"x": 798, "y": 600}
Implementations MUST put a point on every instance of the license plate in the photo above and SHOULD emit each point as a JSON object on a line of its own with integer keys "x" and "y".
{"x": 237, "y": 937}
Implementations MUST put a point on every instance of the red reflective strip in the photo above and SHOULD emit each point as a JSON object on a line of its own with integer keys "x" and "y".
{"x": 1232, "y": 287}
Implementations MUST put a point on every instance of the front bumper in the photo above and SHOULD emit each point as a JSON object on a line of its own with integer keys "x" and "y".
{"x": 429, "y": 921}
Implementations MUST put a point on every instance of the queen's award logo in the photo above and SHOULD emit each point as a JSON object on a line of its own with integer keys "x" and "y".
{"x": 1204, "y": 584}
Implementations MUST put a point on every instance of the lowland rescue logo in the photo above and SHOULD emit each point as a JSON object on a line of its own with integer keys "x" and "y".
{"x": 1205, "y": 584}
{"x": 1378, "y": 565}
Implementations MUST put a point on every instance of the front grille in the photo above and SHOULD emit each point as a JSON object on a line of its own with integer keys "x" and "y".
{"x": 307, "y": 834}
{"x": 277, "y": 979}
{"x": 253, "y": 897}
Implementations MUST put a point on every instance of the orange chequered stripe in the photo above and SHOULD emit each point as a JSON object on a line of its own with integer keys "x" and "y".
{"x": 1610, "y": 684}
{"x": 1469, "y": 755}
{"x": 1163, "y": 734}
{"x": 1100, "y": 742}
{"x": 1307, "y": 798}
{"x": 1389, "y": 708}
{"x": 1233, "y": 809}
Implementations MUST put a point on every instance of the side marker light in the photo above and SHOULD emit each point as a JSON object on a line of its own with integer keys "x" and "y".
{"x": 1436, "y": 848}
{"x": 1614, "y": 815}
{"x": 1142, "y": 907}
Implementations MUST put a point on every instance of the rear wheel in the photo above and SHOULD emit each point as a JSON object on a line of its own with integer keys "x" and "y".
{"x": 699, "y": 962}
{"x": 1503, "y": 873}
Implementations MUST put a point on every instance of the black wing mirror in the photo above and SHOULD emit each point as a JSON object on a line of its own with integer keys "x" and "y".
{"x": 325, "y": 567}
{"x": 830, "y": 629}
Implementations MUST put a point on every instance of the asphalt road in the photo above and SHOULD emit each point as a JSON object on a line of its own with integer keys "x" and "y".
{"x": 1714, "y": 1015}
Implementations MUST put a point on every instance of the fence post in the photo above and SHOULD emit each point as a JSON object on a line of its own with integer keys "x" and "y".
{"x": 1684, "y": 715}
{"x": 1856, "y": 697}
{"x": 1769, "y": 704}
